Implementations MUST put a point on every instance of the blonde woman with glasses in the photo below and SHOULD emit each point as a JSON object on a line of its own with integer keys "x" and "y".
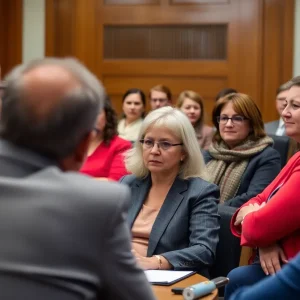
{"x": 173, "y": 214}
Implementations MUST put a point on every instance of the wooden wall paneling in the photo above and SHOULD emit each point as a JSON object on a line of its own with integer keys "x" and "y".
{"x": 72, "y": 30}
{"x": 288, "y": 39}
{"x": 130, "y": 2}
{"x": 277, "y": 51}
{"x": 272, "y": 54}
{"x": 166, "y": 68}
{"x": 205, "y": 86}
{"x": 198, "y": 1}
{"x": 246, "y": 59}
{"x": 157, "y": 15}
{"x": 166, "y": 42}
{"x": 11, "y": 34}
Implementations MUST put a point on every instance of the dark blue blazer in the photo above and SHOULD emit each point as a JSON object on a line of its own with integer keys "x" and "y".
{"x": 260, "y": 172}
{"x": 285, "y": 284}
{"x": 186, "y": 228}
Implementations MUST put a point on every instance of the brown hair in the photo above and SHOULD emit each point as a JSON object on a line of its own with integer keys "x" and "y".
{"x": 225, "y": 92}
{"x": 110, "y": 129}
{"x": 163, "y": 89}
{"x": 284, "y": 87}
{"x": 244, "y": 106}
{"x": 195, "y": 97}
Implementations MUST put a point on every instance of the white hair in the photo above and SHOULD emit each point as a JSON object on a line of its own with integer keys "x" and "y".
{"x": 176, "y": 121}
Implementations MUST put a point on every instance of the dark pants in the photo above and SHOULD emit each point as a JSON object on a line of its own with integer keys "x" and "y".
{"x": 242, "y": 276}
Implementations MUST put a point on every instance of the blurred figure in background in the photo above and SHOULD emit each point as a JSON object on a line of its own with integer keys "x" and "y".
{"x": 160, "y": 95}
{"x": 134, "y": 102}
{"x": 105, "y": 159}
{"x": 225, "y": 92}
{"x": 191, "y": 104}
{"x": 277, "y": 127}
{"x": 241, "y": 159}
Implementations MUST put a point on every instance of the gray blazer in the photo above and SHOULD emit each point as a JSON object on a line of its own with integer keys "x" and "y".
{"x": 186, "y": 229}
{"x": 260, "y": 172}
{"x": 66, "y": 229}
{"x": 271, "y": 127}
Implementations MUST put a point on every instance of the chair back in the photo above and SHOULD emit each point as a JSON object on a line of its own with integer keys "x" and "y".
{"x": 228, "y": 249}
{"x": 282, "y": 145}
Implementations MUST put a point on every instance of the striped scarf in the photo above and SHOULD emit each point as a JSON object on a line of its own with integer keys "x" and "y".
{"x": 228, "y": 165}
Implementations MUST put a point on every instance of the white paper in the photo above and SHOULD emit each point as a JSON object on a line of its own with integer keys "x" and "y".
{"x": 164, "y": 276}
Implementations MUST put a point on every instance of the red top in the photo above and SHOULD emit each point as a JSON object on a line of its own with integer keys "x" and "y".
{"x": 107, "y": 160}
{"x": 279, "y": 219}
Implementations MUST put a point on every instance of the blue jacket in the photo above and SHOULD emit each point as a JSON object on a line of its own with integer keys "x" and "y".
{"x": 260, "y": 172}
{"x": 186, "y": 228}
{"x": 284, "y": 285}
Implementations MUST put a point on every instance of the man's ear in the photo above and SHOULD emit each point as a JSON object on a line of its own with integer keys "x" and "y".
{"x": 74, "y": 161}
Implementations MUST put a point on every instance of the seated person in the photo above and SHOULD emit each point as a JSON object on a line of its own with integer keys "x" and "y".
{"x": 241, "y": 159}
{"x": 271, "y": 220}
{"x": 225, "y": 92}
{"x": 160, "y": 96}
{"x": 277, "y": 127}
{"x": 173, "y": 213}
{"x": 134, "y": 102}
{"x": 284, "y": 285}
{"x": 105, "y": 159}
{"x": 192, "y": 105}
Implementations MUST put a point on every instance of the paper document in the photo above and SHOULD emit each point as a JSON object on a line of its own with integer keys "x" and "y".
{"x": 165, "y": 277}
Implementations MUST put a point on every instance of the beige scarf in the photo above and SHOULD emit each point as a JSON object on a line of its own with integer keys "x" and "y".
{"x": 228, "y": 165}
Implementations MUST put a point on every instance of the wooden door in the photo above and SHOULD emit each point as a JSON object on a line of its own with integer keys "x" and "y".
{"x": 203, "y": 45}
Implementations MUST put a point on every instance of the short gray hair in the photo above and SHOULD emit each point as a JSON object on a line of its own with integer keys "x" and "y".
{"x": 57, "y": 134}
{"x": 176, "y": 121}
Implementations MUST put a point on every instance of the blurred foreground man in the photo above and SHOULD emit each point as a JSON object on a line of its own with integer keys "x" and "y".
{"x": 63, "y": 235}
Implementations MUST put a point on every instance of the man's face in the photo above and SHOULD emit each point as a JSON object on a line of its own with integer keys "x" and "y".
{"x": 280, "y": 101}
{"x": 158, "y": 100}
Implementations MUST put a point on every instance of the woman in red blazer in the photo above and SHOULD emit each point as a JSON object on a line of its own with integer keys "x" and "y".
{"x": 271, "y": 220}
{"x": 105, "y": 159}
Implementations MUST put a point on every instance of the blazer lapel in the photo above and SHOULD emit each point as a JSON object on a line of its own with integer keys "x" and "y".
{"x": 168, "y": 209}
{"x": 139, "y": 192}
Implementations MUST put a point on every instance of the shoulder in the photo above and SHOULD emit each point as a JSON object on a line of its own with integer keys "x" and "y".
{"x": 83, "y": 191}
{"x": 207, "y": 130}
{"x": 129, "y": 180}
{"x": 120, "y": 143}
{"x": 206, "y": 156}
{"x": 201, "y": 186}
{"x": 268, "y": 153}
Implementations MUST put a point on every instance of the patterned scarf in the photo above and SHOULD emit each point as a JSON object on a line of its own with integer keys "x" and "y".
{"x": 228, "y": 165}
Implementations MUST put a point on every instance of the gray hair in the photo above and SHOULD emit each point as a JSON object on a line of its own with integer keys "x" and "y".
{"x": 176, "y": 121}
{"x": 57, "y": 134}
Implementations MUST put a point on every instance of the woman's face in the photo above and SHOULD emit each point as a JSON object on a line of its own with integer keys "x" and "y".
{"x": 133, "y": 107}
{"x": 158, "y": 160}
{"x": 291, "y": 113}
{"x": 233, "y": 133}
{"x": 192, "y": 109}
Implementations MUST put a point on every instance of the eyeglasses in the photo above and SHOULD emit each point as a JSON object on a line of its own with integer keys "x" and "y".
{"x": 234, "y": 119}
{"x": 160, "y": 100}
{"x": 164, "y": 145}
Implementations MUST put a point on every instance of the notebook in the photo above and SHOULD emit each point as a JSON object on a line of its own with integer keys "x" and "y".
{"x": 164, "y": 277}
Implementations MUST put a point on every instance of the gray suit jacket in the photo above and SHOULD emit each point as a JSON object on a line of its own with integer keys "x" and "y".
{"x": 271, "y": 127}
{"x": 186, "y": 229}
{"x": 66, "y": 229}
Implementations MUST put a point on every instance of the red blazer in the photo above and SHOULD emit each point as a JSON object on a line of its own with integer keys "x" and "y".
{"x": 279, "y": 220}
{"x": 108, "y": 160}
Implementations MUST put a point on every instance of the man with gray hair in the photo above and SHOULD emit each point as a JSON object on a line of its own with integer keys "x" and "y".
{"x": 63, "y": 235}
